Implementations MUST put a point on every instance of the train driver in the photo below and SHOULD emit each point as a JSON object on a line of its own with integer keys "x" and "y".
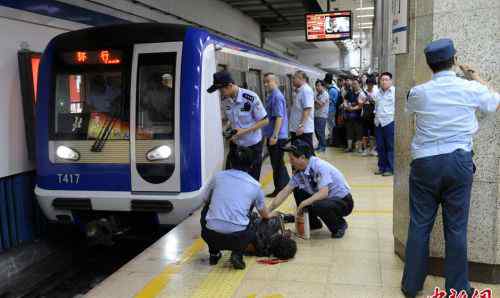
{"x": 246, "y": 116}
{"x": 225, "y": 218}
{"x": 318, "y": 186}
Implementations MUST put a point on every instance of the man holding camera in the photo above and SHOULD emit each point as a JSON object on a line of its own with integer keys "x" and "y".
{"x": 246, "y": 115}
{"x": 442, "y": 168}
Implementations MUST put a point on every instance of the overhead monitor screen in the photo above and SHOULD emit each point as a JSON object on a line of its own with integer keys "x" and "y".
{"x": 334, "y": 25}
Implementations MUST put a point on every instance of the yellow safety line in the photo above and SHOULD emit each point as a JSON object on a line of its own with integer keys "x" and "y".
{"x": 158, "y": 283}
{"x": 371, "y": 186}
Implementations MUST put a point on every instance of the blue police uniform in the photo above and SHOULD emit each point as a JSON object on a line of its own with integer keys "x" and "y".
{"x": 225, "y": 218}
{"x": 276, "y": 107}
{"x": 243, "y": 112}
{"x": 442, "y": 167}
{"x": 336, "y": 206}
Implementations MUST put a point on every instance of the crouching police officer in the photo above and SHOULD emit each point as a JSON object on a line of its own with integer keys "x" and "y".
{"x": 318, "y": 186}
{"x": 246, "y": 116}
{"x": 226, "y": 216}
{"x": 442, "y": 168}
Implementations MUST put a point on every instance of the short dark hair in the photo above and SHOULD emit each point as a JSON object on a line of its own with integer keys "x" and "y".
{"x": 283, "y": 248}
{"x": 269, "y": 74}
{"x": 371, "y": 80}
{"x": 302, "y": 75}
{"x": 386, "y": 73}
{"x": 442, "y": 65}
{"x": 242, "y": 159}
{"x": 322, "y": 83}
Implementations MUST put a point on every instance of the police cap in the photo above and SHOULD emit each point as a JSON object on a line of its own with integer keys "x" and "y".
{"x": 299, "y": 148}
{"x": 221, "y": 79}
{"x": 439, "y": 50}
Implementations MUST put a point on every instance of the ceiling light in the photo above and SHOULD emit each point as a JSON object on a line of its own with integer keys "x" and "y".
{"x": 365, "y": 8}
{"x": 366, "y": 16}
{"x": 365, "y": 27}
{"x": 362, "y": 24}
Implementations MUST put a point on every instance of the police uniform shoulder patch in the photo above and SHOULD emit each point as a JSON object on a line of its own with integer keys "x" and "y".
{"x": 248, "y": 97}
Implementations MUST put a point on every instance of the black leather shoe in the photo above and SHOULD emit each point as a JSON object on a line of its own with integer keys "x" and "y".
{"x": 406, "y": 294}
{"x": 340, "y": 232}
{"x": 237, "y": 261}
{"x": 214, "y": 259}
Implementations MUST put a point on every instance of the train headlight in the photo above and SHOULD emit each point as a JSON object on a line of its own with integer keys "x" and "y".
{"x": 159, "y": 153}
{"x": 64, "y": 152}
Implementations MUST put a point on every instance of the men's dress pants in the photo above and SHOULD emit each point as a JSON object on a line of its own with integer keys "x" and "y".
{"x": 331, "y": 126}
{"x": 255, "y": 168}
{"x": 319, "y": 129}
{"x": 444, "y": 180}
{"x": 280, "y": 173}
{"x": 331, "y": 212}
{"x": 385, "y": 147}
{"x": 236, "y": 242}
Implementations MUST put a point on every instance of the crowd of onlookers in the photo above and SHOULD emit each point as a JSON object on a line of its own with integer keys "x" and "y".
{"x": 360, "y": 116}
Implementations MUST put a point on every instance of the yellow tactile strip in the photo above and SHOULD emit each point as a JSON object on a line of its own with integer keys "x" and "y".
{"x": 156, "y": 285}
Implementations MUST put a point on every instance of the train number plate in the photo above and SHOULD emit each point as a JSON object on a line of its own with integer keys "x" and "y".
{"x": 68, "y": 178}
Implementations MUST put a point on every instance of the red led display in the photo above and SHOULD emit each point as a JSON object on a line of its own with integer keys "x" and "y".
{"x": 93, "y": 57}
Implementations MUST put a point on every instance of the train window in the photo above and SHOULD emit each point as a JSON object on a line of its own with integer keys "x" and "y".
{"x": 254, "y": 82}
{"x": 89, "y": 102}
{"x": 155, "y": 94}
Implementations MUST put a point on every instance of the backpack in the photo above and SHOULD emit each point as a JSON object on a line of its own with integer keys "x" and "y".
{"x": 265, "y": 231}
{"x": 368, "y": 110}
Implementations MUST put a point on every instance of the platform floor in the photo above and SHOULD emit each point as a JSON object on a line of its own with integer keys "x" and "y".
{"x": 362, "y": 264}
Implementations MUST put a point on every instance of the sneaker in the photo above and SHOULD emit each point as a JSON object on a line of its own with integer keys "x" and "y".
{"x": 387, "y": 174}
{"x": 214, "y": 258}
{"x": 365, "y": 152}
{"x": 237, "y": 261}
{"x": 379, "y": 172}
{"x": 348, "y": 150}
{"x": 374, "y": 153}
{"x": 340, "y": 232}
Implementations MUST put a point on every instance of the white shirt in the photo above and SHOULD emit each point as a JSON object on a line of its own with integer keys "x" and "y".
{"x": 244, "y": 112}
{"x": 384, "y": 106}
{"x": 444, "y": 109}
{"x": 303, "y": 99}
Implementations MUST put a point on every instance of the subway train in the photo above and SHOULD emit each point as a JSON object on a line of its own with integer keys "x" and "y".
{"x": 125, "y": 127}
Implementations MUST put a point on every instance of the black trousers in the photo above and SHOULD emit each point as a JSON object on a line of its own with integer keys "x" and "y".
{"x": 305, "y": 137}
{"x": 236, "y": 242}
{"x": 254, "y": 170}
{"x": 331, "y": 212}
{"x": 280, "y": 173}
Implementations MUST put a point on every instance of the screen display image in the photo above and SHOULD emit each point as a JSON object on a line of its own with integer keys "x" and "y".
{"x": 328, "y": 26}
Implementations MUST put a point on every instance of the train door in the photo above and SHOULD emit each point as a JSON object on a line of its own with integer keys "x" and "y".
{"x": 254, "y": 82}
{"x": 154, "y": 117}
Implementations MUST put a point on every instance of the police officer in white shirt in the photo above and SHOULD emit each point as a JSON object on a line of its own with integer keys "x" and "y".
{"x": 246, "y": 115}
{"x": 302, "y": 112}
{"x": 442, "y": 167}
{"x": 318, "y": 186}
{"x": 384, "y": 125}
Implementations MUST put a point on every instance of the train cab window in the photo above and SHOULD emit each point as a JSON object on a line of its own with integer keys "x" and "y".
{"x": 155, "y": 94}
{"x": 87, "y": 101}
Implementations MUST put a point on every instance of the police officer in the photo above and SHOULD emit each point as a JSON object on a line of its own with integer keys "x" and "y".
{"x": 246, "y": 117}
{"x": 302, "y": 110}
{"x": 225, "y": 218}
{"x": 318, "y": 186}
{"x": 276, "y": 132}
{"x": 442, "y": 167}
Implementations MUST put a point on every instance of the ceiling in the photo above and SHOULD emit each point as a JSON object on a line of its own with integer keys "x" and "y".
{"x": 361, "y": 19}
{"x": 277, "y": 15}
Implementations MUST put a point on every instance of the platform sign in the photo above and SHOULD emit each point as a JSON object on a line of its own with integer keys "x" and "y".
{"x": 333, "y": 25}
{"x": 399, "y": 26}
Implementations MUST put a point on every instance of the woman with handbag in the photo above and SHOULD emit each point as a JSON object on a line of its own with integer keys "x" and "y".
{"x": 368, "y": 118}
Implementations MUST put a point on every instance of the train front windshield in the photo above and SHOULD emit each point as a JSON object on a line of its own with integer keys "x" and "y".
{"x": 91, "y": 96}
